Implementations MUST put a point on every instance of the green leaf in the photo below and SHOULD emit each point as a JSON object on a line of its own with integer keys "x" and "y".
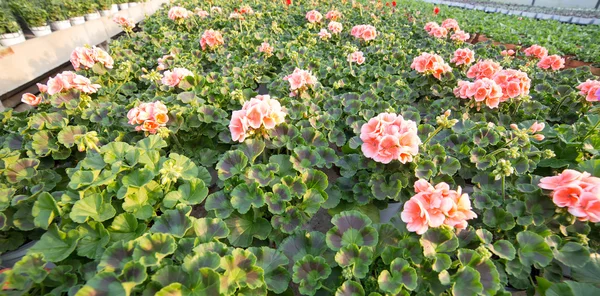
{"x": 350, "y": 288}
{"x": 441, "y": 262}
{"x": 92, "y": 206}
{"x": 590, "y": 272}
{"x": 315, "y": 179}
{"x": 134, "y": 273}
{"x": 116, "y": 256}
{"x": 274, "y": 264}
{"x": 207, "y": 229}
{"x": 304, "y": 243}
{"x": 533, "y": 249}
{"x": 240, "y": 271}
{"x": 152, "y": 142}
{"x": 351, "y": 227}
{"x": 309, "y": 272}
{"x": 125, "y": 227}
{"x": 572, "y": 254}
{"x": 503, "y": 249}
{"x": 219, "y": 203}
{"x": 175, "y": 222}
{"x": 438, "y": 240}
{"x": 450, "y": 166}
{"x": 245, "y": 196}
{"x": 401, "y": 275}
{"x": 190, "y": 192}
{"x": 570, "y": 288}
{"x": 56, "y": 245}
{"x": 244, "y": 228}
{"x": 22, "y": 169}
{"x": 193, "y": 262}
{"x": 94, "y": 238}
{"x": 103, "y": 284}
{"x": 138, "y": 178}
{"x": 44, "y": 210}
{"x": 355, "y": 259}
{"x": 467, "y": 282}
{"x": 591, "y": 166}
{"x": 67, "y": 135}
{"x": 150, "y": 249}
{"x": 232, "y": 163}
{"x": 499, "y": 218}
{"x": 277, "y": 199}
{"x": 252, "y": 148}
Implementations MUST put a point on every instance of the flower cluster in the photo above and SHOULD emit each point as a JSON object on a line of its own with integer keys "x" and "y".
{"x": 356, "y": 57}
{"x": 532, "y": 130}
{"x": 364, "y": 32}
{"x": 162, "y": 61}
{"x": 216, "y": 9}
{"x": 314, "y": 16}
{"x": 514, "y": 83}
{"x": 148, "y": 117}
{"x": 124, "y": 22}
{"x": 483, "y": 90}
{"x": 436, "y": 206}
{"x": 333, "y": 15}
{"x": 590, "y": 89}
{"x": 300, "y": 80}
{"x": 266, "y": 48}
{"x": 335, "y": 27}
{"x": 507, "y": 53}
{"x": 388, "y": 137}
{"x": 201, "y": 12}
{"x": 460, "y": 35}
{"x": 430, "y": 64}
{"x": 536, "y": 51}
{"x": 438, "y": 32}
{"x": 463, "y": 56}
{"x": 173, "y": 78}
{"x": 211, "y": 38}
{"x": 484, "y": 69}
{"x": 177, "y": 13}
{"x": 578, "y": 192}
{"x": 551, "y": 61}
{"x": 324, "y": 35}
{"x": 87, "y": 57}
{"x": 31, "y": 99}
{"x": 67, "y": 81}
{"x": 450, "y": 24}
{"x": 246, "y": 9}
{"x": 260, "y": 111}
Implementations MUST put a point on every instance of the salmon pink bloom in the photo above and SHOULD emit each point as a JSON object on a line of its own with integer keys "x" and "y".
{"x": 300, "y": 80}
{"x": 460, "y": 36}
{"x": 461, "y": 90}
{"x": 551, "y": 61}
{"x": 438, "y": 32}
{"x": 335, "y": 27}
{"x": 211, "y": 38}
{"x": 567, "y": 196}
{"x": 536, "y": 127}
{"x": 324, "y": 35}
{"x": 266, "y": 48}
{"x": 463, "y": 56}
{"x": 415, "y": 216}
{"x": 566, "y": 178}
{"x": 67, "y": 81}
{"x": 430, "y": 25}
{"x": 536, "y": 51}
{"x": 486, "y": 91}
{"x": 590, "y": 89}
{"x": 87, "y": 57}
{"x": 177, "y": 13}
{"x": 428, "y": 63}
{"x": 173, "y": 78}
{"x": 31, "y": 99}
{"x": 389, "y": 137}
{"x": 201, "y": 13}
{"x": 450, "y": 24}
{"x": 364, "y": 32}
{"x": 314, "y": 16}
{"x": 507, "y": 53}
{"x": 514, "y": 83}
{"x": 484, "y": 69}
{"x": 42, "y": 87}
{"x": 588, "y": 208}
{"x": 260, "y": 111}
{"x": 124, "y": 22}
{"x": 333, "y": 15}
{"x": 148, "y": 117}
{"x": 356, "y": 57}
{"x": 579, "y": 192}
{"x": 246, "y": 9}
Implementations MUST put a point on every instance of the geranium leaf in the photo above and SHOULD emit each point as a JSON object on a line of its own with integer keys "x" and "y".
{"x": 276, "y": 200}
{"x": 44, "y": 210}
{"x": 103, "y": 284}
{"x": 22, "y": 169}
{"x": 309, "y": 273}
{"x": 219, "y": 203}
{"x": 207, "y": 229}
{"x": 240, "y": 271}
{"x": 533, "y": 249}
{"x": 438, "y": 240}
{"x": 274, "y": 264}
{"x": 116, "y": 257}
{"x": 231, "y": 163}
{"x": 94, "y": 238}
{"x": 572, "y": 255}
{"x": 350, "y": 288}
{"x": 400, "y": 275}
{"x": 504, "y": 249}
{"x": 175, "y": 222}
{"x": 356, "y": 259}
{"x": 56, "y": 245}
{"x": 467, "y": 282}
{"x": 150, "y": 249}
{"x": 351, "y": 227}
{"x": 252, "y": 148}
{"x": 244, "y": 228}
{"x": 93, "y": 206}
{"x": 245, "y": 196}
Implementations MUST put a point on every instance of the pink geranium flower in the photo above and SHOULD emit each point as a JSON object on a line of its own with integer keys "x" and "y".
{"x": 324, "y": 35}
{"x": 438, "y": 32}
{"x": 356, "y": 57}
{"x": 266, "y": 48}
{"x": 430, "y": 25}
{"x": 450, "y": 24}
{"x": 485, "y": 90}
{"x": 211, "y": 39}
{"x": 551, "y": 61}
{"x": 124, "y": 22}
{"x": 460, "y": 35}
{"x": 67, "y": 81}
{"x": 333, "y": 15}
{"x": 536, "y": 51}
{"x": 514, "y": 83}
{"x": 428, "y": 63}
{"x": 314, "y": 16}
{"x": 31, "y": 99}
{"x": 260, "y": 112}
{"x": 578, "y": 192}
{"x": 463, "y": 56}
{"x": 86, "y": 57}
{"x": 201, "y": 12}
{"x": 364, "y": 32}
{"x": 484, "y": 69}
{"x": 335, "y": 27}
{"x": 590, "y": 89}
{"x": 173, "y": 78}
{"x": 148, "y": 117}
{"x": 300, "y": 80}
{"x": 390, "y": 137}
{"x": 177, "y": 13}
{"x": 507, "y": 53}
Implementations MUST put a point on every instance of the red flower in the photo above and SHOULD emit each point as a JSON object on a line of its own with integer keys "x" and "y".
{"x": 436, "y": 10}
{"x": 394, "y": 3}
{"x": 288, "y": 2}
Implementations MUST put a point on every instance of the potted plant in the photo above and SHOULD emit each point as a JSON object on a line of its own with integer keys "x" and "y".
{"x": 91, "y": 10}
{"x": 57, "y": 15}
{"x": 75, "y": 11}
{"x": 10, "y": 32}
{"x": 33, "y": 15}
{"x": 105, "y": 7}
{"x": 123, "y": 4}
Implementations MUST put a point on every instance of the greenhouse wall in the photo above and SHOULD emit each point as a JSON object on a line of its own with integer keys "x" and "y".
{"x": 593, "y": 4}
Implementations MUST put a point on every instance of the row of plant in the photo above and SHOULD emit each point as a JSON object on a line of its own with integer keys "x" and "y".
{"x": 42, "y": 16}
{"x": 563, "y": 11}
{"x": 157, "y": 168}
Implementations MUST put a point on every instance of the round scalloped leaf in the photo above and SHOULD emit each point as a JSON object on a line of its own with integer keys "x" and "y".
{"x": 572, "y": 255}
{"x": 116, "y": 256}
{"x": 92, "y": 206}
{"x": 137, "y": 178}
{"x": 277, "y": 199}
{"x": 28, "y": 270}
{"x": 309, "y": 272}
{"x": 356, "y": 259}
{"x": 401, "y": 275}
{"x": 207, "y": 229}
{"x": 441, "y": 262}
{"x": 304, "y": 243}
{"x": 467, "y": 282}
{"x": 350, "y": 288}
{"x": 152, "y": 142}
{"x": 274, "y": 264}
{"x": 43, "y": 143}
{"x": 263, "y": 174}
{"x": 44, "y": 210}
{"x": 191, "y": 192}
{"x": 94, "y": 238}
{"x": 533, "y": 249}
{"x": 244, "y": 196}
{"x": 56, "y": 245}
{"x": 244, "y": 228}
{"x": 219, "y": 203}
{"x": 103, "y": 284}
{"x": 172, "y": 274}
{"x": 216, "y": 247}
{"x": 175, "y": 222}
{"x": 125, "y": 227}
{"x": 187, "y": 169}
{"x": 383, "y": 189}
{"x": 174, "y": 289}
{"x": 315, "y": 179}
{"x": 312, "y": 201}
{"x": 231, "y": 163}
{"x": 115, "y": 151}
{"x": 289, "y": 221}
{"x": 503, "y": 249}
{"x": 252, "y": 148}
{"x": 208, "y": 283}
{"x": 351, "y": 227}
{"x": 438, "y": 240}
{"x": 134, "y": 273}
{"x": 22, "y": 169}
{"x": 150, "y": 249}
{"x": 67, "y": 135}
{"x": 193, "y": 262}
{"x": 240, "y": 271}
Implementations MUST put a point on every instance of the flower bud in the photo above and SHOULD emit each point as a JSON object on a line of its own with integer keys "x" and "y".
{"x": 514, "y": 126}
{"x": 539, "y": 137}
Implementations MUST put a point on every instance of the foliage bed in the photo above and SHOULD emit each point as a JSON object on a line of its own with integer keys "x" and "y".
{"x": 125, "y": 205}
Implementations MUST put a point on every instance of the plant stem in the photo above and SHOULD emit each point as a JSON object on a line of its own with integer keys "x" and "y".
{"x": 435, "y": 132}
{"x": 327, "y": 289}
{"x": 503, "y": 187}
{"x": 590, "y": 132}
{"x": 559, "y": 104}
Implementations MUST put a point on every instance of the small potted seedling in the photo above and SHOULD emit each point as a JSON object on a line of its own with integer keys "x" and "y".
{"x": 105, "y": 7}
{"x": 90, "y": 8}
{"x": 34, "y": 16}
{"x": 10, "y": 31}
{"x": 75, "y": 11}
{"x": 57, "y": 15}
